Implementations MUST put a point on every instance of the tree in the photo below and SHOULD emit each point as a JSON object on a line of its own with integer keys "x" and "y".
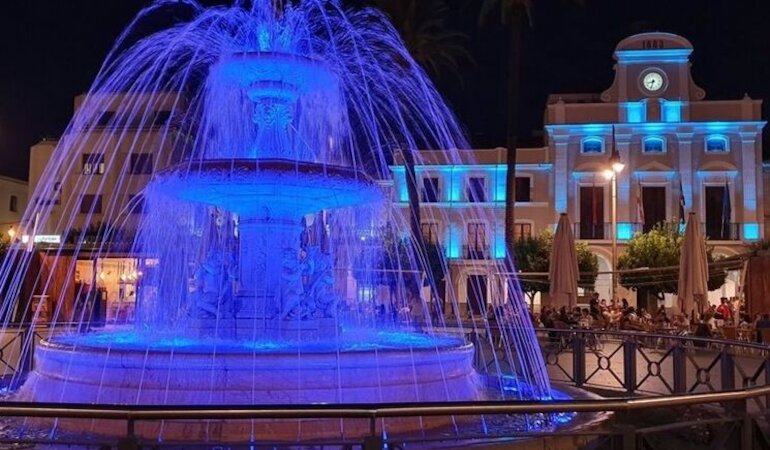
{"x": 514, "y": 16}
{"x": 422, "y": 25}
{"x": 423, "y": 29}
{"x": 437, "y": 268}
{"x": 5, "y": 245}
{"x": 533, "y": 255}
{"x": 658, "y": 249}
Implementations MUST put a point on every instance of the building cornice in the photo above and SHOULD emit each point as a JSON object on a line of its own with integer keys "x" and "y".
{"x": 656, "y": 127}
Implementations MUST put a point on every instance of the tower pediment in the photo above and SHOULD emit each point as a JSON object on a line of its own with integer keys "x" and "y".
{"x": 653, "y": 67}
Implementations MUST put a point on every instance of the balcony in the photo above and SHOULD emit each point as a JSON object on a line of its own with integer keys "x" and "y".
{"x": 721, "y": 232}
{"x": 592, "y": 231}
{"x": 476, "y": 252}
{"x": 601, "y": 231}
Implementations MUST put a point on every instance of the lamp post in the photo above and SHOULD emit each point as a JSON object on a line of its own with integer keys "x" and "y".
{"x": 615, "y": 167}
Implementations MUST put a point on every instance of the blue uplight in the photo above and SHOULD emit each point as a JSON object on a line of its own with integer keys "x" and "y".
{"x": 751, "y": 231}
{"x": 672, "y": 111}
{"x": 456, "y": 184}
{"x": 667, "y": 55}
{"x": 499, "y": 247}
{"x": 636, "y": 112}
{"x": 625, "y": 231}
{"x": 399, "y": 178}
{"x": 454, "y": 242}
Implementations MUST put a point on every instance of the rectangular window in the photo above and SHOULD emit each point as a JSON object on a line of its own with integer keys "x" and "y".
{"x": 105, "y": 119}
{"x": 14, "y": 206}
{"x": 592, "y": 146}
{"x": 430, "y": 232}
{"x": 523, "y": 190}
{"x": 430, "y": 192}
{"x": 91, "y": 204}
{"x": 140, "y": 164}
{"x": 93, "y": 164}
{"x": 719, "y": 214}
{"x": 477, "y": 241}
{"x": 57, "y": 193}
{"x": 477, "y": 190}
{"x": 591, "y": 212}
{"x": 523, "y": 231}
{"x": 717, "y": 144}
{"x": 136, "y": 204}
{"x": 161, "y": 117}
{"x": 653, "y": 145}
{"x": 654, "y": 206}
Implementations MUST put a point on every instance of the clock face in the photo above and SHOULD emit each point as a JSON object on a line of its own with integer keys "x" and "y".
{"x": 652, "y": 81}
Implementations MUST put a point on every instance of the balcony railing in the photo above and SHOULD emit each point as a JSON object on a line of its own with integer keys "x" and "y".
{"x": 588, "y": 230}
{"x": 602, "y": 231}
{"x": 476, "y": 252}
{"x": 721, "y": 232}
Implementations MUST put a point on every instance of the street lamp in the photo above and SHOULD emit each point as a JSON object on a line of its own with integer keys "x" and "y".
{"x": 11, "y": 233}
{"x": 615, "y": 167}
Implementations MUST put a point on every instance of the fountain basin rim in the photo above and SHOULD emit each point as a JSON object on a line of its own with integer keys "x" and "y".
{"x": 228, "y": 349}
{"x": 256, "y": 165}
{"x": 267, "y": 187}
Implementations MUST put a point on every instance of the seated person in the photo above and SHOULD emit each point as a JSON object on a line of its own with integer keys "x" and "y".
{"x": 586, "y": 320}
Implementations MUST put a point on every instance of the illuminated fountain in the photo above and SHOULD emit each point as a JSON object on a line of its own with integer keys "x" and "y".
{"x": 279, "y": 113}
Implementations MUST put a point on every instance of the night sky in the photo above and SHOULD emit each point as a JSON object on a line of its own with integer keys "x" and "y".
{"x": 50, "y": 50}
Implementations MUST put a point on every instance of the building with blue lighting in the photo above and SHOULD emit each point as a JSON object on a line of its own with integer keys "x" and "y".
{"x": 681, "y": 153}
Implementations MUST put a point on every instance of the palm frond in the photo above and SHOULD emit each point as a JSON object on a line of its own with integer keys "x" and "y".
{"x": 423, "y": 28}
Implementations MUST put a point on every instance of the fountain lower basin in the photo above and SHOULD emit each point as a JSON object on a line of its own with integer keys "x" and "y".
{"x": 108, "y": 368}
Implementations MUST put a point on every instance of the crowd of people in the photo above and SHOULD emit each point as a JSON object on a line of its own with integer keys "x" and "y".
{"x": 724, "y": 321}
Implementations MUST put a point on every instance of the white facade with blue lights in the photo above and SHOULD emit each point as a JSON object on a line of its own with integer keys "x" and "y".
{"x": 679, "y": 149}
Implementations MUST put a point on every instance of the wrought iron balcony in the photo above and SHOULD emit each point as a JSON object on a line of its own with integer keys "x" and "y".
{"x": 589, "y": 230}
{"x": 718, "y": 231}
{"x": 476, "y": 252}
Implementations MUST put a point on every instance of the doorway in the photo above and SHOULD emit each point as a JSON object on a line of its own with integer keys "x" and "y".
{"x": 476, "y": 294}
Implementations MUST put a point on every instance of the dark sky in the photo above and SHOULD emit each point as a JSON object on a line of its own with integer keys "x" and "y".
{"x": 50, "y": 50}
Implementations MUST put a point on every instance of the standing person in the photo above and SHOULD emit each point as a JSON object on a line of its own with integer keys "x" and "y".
{"x": 762, "y": 324}
{"x": 594, "y": 306}
{"x": 724, "y": 311}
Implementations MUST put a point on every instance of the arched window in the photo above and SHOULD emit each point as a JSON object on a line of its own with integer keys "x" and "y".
{"x": 592, "y": 145}
{"x": 654, "y": 144}
{"x": 717, "y": 144}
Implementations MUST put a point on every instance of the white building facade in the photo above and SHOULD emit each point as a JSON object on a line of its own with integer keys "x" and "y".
{"x": 681, "y": 153}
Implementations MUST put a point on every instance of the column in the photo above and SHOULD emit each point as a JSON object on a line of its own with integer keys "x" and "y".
{"x": 684, "y": 150}
{"x": 561, "y": 178}
{"x": 749, "y": 168}
{"x": 622, "y": 144}
{"x": 268, "y": 262}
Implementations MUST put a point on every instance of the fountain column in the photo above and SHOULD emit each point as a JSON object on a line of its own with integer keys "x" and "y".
{"x": 268, "y": 263}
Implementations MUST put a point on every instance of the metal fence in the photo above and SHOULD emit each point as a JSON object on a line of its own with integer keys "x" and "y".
{"x": 651, "y": 374}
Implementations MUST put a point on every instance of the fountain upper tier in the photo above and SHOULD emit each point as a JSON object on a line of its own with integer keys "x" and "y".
{"x": 254, "y": 70}
{"x": 268, "y": 188}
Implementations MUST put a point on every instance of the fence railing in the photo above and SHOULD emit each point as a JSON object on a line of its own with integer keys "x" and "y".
{"x": 650, "y": 372}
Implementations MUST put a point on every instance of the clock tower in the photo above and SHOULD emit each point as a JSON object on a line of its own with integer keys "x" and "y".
{"x": 653, "y": 68}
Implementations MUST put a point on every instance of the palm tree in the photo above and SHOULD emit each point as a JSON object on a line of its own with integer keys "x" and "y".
{"x": 422, "y": 26}
{"x": 514, "y": 15}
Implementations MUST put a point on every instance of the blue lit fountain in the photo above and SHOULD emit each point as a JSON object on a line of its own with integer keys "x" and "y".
{"x": 278, "y": 112}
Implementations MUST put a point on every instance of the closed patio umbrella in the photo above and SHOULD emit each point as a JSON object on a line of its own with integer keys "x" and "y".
{"x": 563, "y": 267}
{"x": 693, "y": 268}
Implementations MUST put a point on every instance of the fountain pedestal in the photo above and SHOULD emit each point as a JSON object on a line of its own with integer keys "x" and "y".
{"x": 268, "y": 252}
